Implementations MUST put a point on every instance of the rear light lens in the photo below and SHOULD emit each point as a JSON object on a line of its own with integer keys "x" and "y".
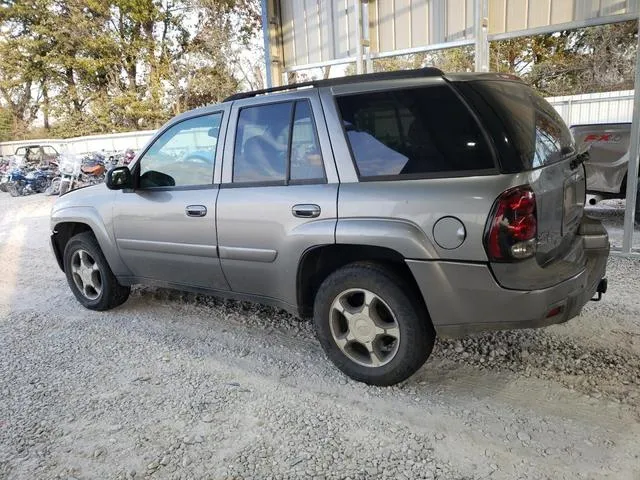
{"x": 513, "y": 226}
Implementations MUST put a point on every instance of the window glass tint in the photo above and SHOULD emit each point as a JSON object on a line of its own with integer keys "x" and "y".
{"x": 184, "y": 155}
{"x": 536, "y": 129}
{"x": 262, "y": 143}
{"x": 306, "y": 160}
{"x": 412, "y": 132}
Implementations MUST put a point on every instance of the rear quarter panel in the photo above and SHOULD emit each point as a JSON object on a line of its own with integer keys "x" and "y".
{"x": 421, "y": 203}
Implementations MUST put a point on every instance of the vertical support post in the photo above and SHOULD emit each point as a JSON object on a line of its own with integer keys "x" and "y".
{"x": 632, "y": 168}
{"x": 366, "y": 37}
{"x": 358, "y": 19}
{"x": 266, "y": 33}
{"x": 481, "y": 32}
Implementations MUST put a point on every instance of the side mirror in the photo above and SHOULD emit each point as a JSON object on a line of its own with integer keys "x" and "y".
{"x": 119, "y": 178}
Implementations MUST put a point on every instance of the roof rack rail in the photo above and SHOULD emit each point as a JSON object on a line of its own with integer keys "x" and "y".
{"x": 331, "y": 82}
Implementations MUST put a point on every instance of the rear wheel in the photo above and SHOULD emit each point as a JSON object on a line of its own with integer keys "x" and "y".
{"x": 89, "y": 276}
{"x": 371, "y": 325}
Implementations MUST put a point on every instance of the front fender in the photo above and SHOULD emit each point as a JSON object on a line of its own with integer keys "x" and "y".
{"x": 101, "y": 228}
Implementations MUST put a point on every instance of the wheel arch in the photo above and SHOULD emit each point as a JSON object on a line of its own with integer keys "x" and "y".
{"x": 317, "y": 263}
{"x": 68, "y": 222}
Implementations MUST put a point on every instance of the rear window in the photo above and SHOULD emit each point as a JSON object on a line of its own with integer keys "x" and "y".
{"x": 412, "y": 133}
{"x": 539, "y": 134}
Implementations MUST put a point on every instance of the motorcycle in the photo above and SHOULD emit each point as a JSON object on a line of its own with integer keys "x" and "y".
{"x": 68, "y": 175}
{"x": 93, "y": 169}
{"x": 78, "y": 171}
{"x": 24, "y": 181}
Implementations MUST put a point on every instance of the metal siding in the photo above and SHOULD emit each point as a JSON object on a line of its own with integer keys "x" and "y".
{"x": 586, "y": 9}
{"x": 606, "y": 107}
{"x": 437, "y": 21}
{"x": 316, "y": 31}
{"x": 455, "y": 19}
{"x": 497, "y": 16}
{"x": 516, "y": 15}
{"x": 385, "y": 22}
{"x": 419, "y": 23}
{"x": 326, "y": 30}
{"x": 539, "y": 13}
{"x": 402, "y": 23}
{"x": 470, "y": 17}
{"x": 300, "y": 33}
{"x": 341, "y": 42}
{"x": 313, "y": 30}
{"x": 561, "y": 11}
{"x": 286, "y": 13}
{"x": 614, "y": 7}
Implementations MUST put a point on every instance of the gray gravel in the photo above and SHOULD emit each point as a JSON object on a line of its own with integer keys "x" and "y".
{"x": 174, "y": 385}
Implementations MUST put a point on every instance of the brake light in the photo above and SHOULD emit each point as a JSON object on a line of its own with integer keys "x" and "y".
{"x": 513, "y": 226}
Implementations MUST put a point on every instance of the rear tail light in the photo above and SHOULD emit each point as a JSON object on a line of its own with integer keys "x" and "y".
{"x": 513, "y": 226}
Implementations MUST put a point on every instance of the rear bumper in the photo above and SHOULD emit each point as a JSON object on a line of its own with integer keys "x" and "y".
{"x": 463, "y": 298}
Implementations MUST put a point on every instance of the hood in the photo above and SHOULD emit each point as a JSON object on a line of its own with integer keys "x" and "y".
{"x": 91, "y": 196}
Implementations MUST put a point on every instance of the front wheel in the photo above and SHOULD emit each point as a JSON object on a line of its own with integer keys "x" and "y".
{"x": 89, "y": 275}
{"x": 54, "y": 188}
{"x": 13, "y": 190}
{"x": 371, "y": 325}
{"x": 65, "y": 186}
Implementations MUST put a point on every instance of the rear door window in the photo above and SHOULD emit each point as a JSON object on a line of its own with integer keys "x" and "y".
{"x": 539, "y": 134}
{"x": 277, "y": 144}
{"x": 413, "y": 133}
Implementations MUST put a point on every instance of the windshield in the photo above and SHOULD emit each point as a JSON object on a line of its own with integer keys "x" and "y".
{"x": 539, "y": 134}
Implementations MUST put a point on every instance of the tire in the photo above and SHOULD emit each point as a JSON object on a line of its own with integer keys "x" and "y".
{"x": 42, "y": 184}
{"x": 393, "y": 355}
{"x": 54, "y": 188}
{"x": 13, "y": 191}
{"x": 101, "y": 288}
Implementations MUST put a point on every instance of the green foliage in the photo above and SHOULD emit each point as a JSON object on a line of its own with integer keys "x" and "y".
{"x": 93, "y": 66}
{"x": 6, "y": 125}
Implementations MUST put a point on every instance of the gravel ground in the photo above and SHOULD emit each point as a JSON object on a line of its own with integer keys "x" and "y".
{"x": 173, "y": 385}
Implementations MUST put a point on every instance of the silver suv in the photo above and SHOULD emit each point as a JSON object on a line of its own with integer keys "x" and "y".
{"x": 388, "y": 207}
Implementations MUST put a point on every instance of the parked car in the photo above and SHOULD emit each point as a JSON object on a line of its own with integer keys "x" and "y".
{"x": 608, "y": 147}
{"x": 42, "y": 155}
{"x": 389, "y": 207}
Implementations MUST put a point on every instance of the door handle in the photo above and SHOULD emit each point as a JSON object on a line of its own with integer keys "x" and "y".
{"x": 306, "y": 211}
{"x": 195, "y": 210}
